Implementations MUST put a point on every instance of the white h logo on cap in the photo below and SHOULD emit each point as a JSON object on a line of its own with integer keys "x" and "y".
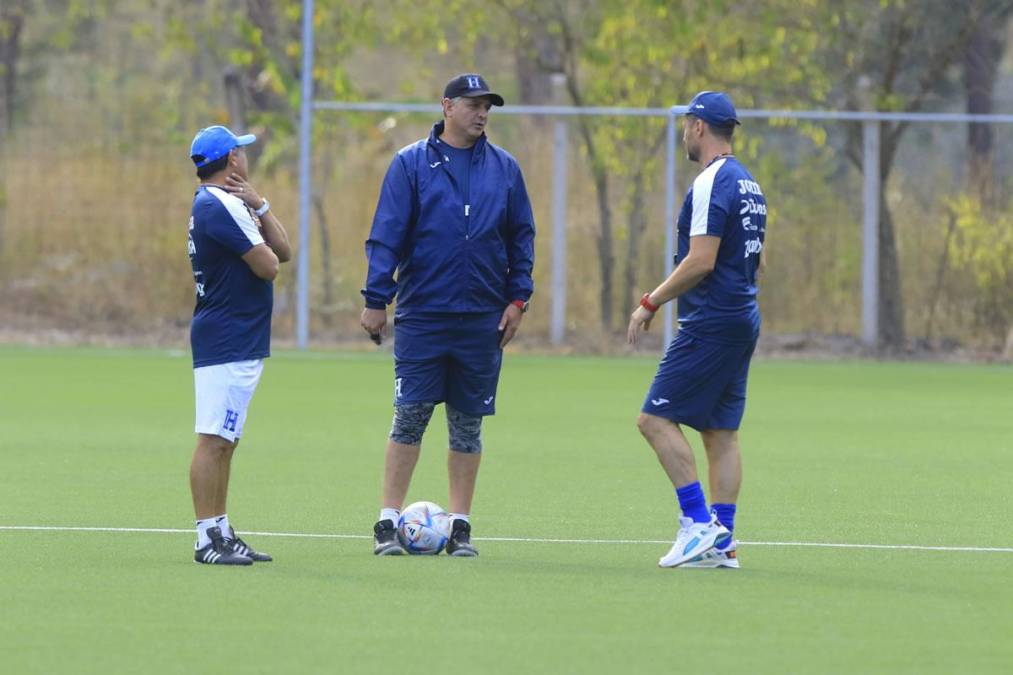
{"x": 473, "y": 83}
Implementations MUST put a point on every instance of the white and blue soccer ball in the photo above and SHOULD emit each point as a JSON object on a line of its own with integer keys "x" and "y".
{"x": 423, "y": 528}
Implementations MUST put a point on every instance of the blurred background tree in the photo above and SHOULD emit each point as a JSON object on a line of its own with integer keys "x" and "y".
{"x": 102, "y": 98}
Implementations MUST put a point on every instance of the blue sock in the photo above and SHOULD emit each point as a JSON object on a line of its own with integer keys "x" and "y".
{"x": 726, "y": 516}
{"x": 693, "y": 503}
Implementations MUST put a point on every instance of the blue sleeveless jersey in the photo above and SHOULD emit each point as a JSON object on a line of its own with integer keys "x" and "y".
{"x": 724, "y": 202}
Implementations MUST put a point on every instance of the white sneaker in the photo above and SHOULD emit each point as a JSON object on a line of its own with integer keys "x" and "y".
{"x": 715, "y": 558}
{"x": 693, "y": 539}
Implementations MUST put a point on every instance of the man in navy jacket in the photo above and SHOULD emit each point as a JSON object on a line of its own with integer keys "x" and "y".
{"x": 454, "y": 221}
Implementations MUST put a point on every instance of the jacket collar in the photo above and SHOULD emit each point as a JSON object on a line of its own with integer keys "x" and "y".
{"x": 437, "y": 129}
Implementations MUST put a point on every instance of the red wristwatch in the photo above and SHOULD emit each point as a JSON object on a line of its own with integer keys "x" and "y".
{"x": 645, "y": 302}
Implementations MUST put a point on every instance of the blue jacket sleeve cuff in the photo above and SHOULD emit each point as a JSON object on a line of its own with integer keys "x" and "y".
{"x": 375, "y": 304}
{"x": 519, "y": 292}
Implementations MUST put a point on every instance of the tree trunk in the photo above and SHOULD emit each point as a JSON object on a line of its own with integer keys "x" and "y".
{"x": 606, "y": 257}
{"x": 599, "y": 173}
{"x": 917, "y": 53}
{"x": 531, "y": 56}
{"x": 12, "y": 22}
{"x": 937, "y": 289}
{"x": 235, "y": 103}
{"x": 891, "y": 334}
{"x": 637, "y": 218}
{"x": 233, "y": 80}
{"x": 3, "y": 198}
{"x": 980, "y": 67}
{"x": 325, "y": 260}
{"x": 259, "y": 96}
{"x": 637, "y": 225}
{"x": 891, "y": 305}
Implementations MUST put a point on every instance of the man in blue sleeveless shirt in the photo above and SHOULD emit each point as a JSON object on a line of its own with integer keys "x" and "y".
{"x": 701, "y": 382}
{"x": 235, "y": 245}
{"x": 454, "y": 221}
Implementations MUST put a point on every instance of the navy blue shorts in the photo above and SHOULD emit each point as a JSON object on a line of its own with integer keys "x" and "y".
{"x": 701, "y": 384}
{"x": 448, "y": 357}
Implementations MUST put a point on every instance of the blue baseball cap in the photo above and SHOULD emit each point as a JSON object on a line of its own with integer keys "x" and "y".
{"x": 714, "y": 108}
{"x": 214, "y": 143}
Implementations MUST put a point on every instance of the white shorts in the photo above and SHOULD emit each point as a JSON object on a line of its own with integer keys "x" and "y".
{"x": 223, "y": 396}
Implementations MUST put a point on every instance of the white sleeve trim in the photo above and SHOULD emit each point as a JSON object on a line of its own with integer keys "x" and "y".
{"x": 237, "y": 209}
{"x": 702, "y": 188}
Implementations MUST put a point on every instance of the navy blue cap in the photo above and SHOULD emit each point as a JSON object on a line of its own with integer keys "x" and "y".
{"x": 214, "y": 143}
{"x": 714, "y": 108}
{"x": 471, "y": 85}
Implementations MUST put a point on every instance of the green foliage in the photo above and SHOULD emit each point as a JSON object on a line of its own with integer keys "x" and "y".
{"x": 103, "y": 79}
{"x": 814, "y": 260}
{"x": 981, "y": 251}
{"x": 649, "y": 54}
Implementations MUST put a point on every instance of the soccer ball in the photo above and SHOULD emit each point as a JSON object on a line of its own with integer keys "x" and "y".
{"x": 423, "y": 528}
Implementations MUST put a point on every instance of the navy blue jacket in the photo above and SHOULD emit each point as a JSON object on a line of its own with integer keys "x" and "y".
{"x": 448, "y": 260}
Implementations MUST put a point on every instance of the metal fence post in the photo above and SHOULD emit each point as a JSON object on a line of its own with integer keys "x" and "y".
{"x": 557, "y": 326}
{"x": 557, "y": 332}
{"x": 302, "y": 310}
{"x": 870, "y": 223}
{"x": 669, "y": 217}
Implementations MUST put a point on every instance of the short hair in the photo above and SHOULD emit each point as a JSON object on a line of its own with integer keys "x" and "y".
{"x": 211, "y": 168}
{"x": 724, "y": 133}
{"x": 453, "y": 101}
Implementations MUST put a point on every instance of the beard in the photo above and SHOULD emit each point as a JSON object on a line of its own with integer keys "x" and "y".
{"x": 692, "y": 154}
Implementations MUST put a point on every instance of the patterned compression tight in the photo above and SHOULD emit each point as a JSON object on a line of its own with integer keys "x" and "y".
{"x": 411, "y": 420}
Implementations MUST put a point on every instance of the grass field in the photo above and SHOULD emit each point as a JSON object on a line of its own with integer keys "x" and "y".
{"x": 842, "y": 453}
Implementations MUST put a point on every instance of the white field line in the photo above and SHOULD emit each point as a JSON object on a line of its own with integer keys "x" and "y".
{"x": 530, "y": 540}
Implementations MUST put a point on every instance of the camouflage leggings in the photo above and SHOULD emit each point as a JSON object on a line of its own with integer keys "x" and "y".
{"x": 411, "y": 420}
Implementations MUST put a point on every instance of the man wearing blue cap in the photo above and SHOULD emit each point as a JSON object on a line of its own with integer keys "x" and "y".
{"x": 454, "y": 221}
{"x": 701, "y": 382}
{"x": 235, "y": 246}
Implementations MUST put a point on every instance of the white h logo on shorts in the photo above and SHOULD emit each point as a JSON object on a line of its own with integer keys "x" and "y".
{"x": 397, "y": 388}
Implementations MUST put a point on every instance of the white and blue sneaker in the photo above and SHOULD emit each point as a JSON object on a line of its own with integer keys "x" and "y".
{"x": 716, "y": 557}
{"x": 694, "y": 539}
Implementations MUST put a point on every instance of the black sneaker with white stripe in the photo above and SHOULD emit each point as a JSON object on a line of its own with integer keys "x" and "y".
{"x": 242, "y": 548}
{"x": 219, "y": 551}
{"x": 385, "y": 539}
{"x": 459, "y": 544}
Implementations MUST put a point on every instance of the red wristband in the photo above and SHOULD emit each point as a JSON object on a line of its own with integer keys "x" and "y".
{"x": 645, "y": 302}
{"x": 520, "y": 304}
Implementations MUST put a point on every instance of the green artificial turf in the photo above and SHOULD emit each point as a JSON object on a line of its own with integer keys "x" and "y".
{"x": 843, "y": 453}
